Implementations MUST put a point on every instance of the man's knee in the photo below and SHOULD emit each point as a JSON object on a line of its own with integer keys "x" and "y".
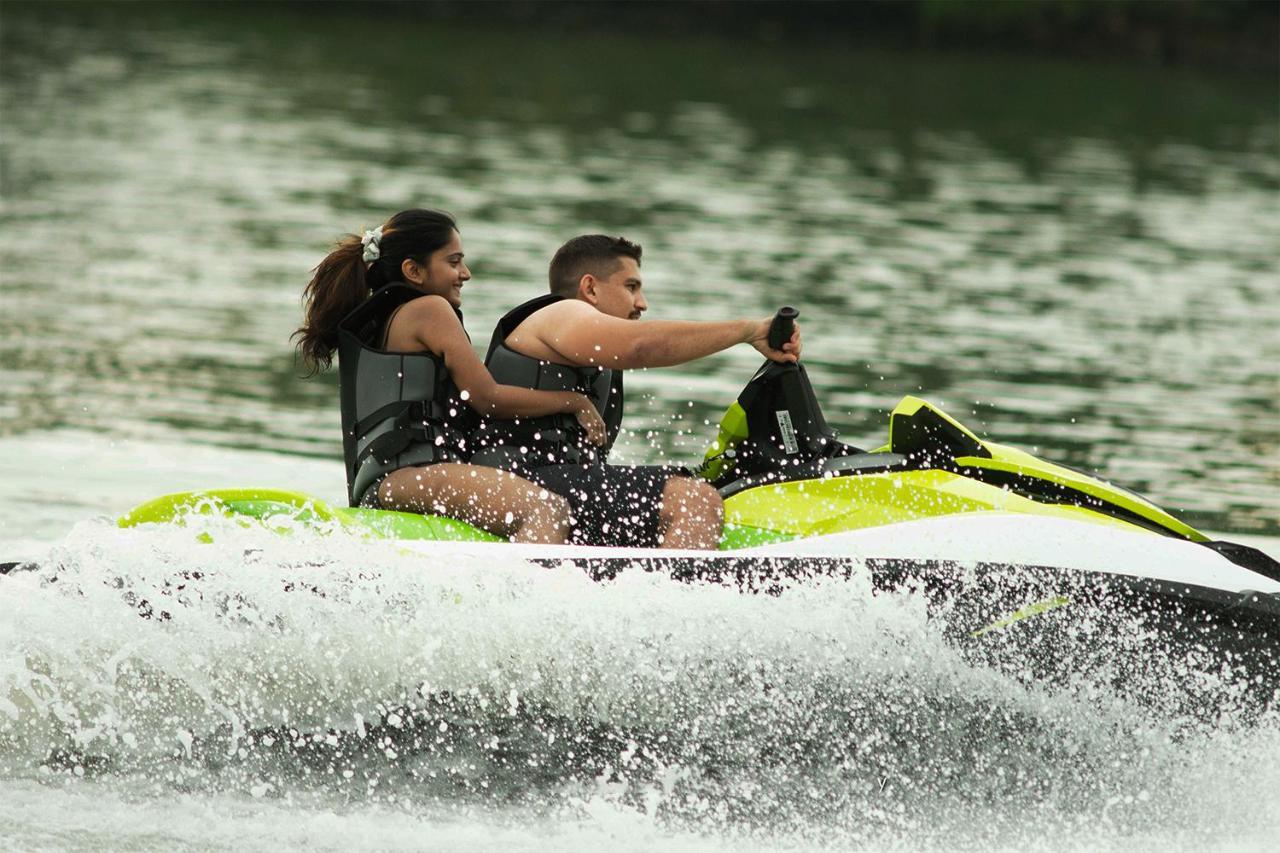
{"x": 687, "y": 496}
{"x": 553, "y": 507}
{"x": 546, "y": 519}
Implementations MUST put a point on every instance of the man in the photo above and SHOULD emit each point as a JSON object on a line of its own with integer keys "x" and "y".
{"x": 581, "y": 336}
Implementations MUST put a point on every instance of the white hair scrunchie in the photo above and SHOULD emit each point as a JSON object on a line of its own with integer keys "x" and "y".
{"x": 372, "y": 242}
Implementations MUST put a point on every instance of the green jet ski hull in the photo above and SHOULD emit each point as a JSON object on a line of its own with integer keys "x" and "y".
{"x": 897, "y": 483}
{"x": 769, "y": 513}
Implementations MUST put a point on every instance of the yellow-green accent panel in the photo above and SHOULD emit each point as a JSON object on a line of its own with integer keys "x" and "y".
{"x": 253, "y": 503}
{"x": 262, "y": 504}
{"x": 737, "y": 536}
{"x": 989, "y": 456}
{"x": 411, "y": 525}
{"x": 1024, "y": 613}
{"x": 838, "y": 504}
{"x": 733, "y": 428}
{"x": 1014, "y": 461}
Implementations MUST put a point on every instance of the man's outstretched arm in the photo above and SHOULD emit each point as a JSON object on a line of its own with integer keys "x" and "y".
{"x": 581, "y": 335}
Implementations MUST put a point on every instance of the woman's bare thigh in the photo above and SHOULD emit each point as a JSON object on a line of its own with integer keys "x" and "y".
{"x": 487, "y": 497}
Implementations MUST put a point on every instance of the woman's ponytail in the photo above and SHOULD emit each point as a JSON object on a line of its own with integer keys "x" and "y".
{"x": 337, "y": 287}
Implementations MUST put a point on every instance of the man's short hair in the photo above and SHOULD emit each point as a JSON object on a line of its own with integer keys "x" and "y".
{"x": 597, "y": 254}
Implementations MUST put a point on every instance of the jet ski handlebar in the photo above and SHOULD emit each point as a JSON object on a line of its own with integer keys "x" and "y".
{"x": 782, "y": 327}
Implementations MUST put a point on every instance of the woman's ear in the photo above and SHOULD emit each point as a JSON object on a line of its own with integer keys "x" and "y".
{"x": 412, "y": 271}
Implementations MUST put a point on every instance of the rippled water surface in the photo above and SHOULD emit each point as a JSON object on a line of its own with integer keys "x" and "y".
{"x": 1080, "y": 259}
{"x": 1074, "y": 258}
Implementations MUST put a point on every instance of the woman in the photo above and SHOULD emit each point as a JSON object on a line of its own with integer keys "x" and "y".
{"x": 413, "y": 389}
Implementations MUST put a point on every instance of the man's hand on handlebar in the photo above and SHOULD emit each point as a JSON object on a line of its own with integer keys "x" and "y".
{"x": 790, "y": 352}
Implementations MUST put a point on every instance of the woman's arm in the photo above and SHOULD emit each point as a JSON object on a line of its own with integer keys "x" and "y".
{"x": 436, "y": 328}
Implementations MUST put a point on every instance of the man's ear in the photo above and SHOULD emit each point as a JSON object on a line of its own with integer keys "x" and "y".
{"x": 589, "y": 289}
{"x": 411, "y": 271}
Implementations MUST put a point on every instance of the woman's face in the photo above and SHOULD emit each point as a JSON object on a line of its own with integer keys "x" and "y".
{"x": 443, "y": 273}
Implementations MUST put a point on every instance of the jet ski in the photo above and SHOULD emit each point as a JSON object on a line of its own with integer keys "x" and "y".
{"x": 1005, "y": 545}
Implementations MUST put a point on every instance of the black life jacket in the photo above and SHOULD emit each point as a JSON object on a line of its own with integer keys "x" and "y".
{"x": 398, "y": 409}
{"x": 552, "y": 439}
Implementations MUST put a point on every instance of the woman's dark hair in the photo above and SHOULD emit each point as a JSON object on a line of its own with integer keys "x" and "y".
{"x": 344, "y": 279}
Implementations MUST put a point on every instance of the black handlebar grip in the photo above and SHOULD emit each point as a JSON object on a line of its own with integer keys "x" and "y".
{"x": 782, "y": 327}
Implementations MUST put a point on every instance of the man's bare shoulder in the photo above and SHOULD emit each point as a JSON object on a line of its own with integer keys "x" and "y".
{"x": 536, "y": 334}
{"x": 553, "y": 316}
{"x": 562, "y": 310}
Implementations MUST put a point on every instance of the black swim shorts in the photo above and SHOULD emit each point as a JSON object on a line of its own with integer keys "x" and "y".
{"x": 610, "y": 504}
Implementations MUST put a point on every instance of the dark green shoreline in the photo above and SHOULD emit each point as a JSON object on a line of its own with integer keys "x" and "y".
{"x": 1241, "y": 34}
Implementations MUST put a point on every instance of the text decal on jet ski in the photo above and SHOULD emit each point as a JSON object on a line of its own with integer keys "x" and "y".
{"x": 788, "y": 431}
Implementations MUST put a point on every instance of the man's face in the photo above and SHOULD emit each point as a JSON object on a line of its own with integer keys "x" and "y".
{"x": 620, "y": 294}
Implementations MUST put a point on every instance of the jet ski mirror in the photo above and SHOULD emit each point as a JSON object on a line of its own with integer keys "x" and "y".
{"x": 922, "y": 431}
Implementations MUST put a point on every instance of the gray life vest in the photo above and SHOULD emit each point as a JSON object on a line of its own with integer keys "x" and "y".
{"x": 528, "y": 443}
{"x": 398, "y": 408}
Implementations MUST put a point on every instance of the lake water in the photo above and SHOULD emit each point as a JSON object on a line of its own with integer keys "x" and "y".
{"x": 1079, "y": 259}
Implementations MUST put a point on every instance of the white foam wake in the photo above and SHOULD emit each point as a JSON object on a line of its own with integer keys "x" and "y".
{"x": 328, "y": 670}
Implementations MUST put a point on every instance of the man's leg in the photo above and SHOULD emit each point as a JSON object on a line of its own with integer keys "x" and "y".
{"x": 637, "y": 506}
{"x": 692, "y": 515}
